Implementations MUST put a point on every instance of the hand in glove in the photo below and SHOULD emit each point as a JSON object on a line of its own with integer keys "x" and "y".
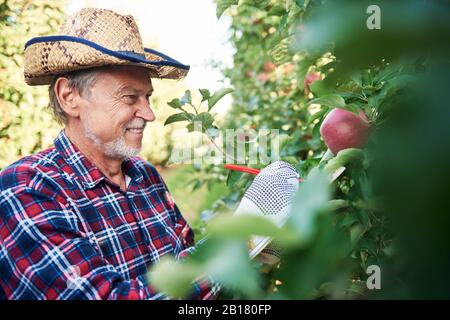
{"x": 270, "y": 196}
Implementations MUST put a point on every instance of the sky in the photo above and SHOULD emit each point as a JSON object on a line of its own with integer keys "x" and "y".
{"x": 186, "y": 30}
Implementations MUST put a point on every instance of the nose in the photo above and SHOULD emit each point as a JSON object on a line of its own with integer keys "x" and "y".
{"x": 145, "y": 112}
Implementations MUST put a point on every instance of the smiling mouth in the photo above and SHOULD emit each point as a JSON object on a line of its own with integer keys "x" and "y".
{"x": 135, "y": 130}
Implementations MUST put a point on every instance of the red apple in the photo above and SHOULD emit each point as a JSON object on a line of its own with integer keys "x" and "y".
{"x": 310, "y": 79}
{"x": 269, "y": 66}
{"x": 342, "y": 129}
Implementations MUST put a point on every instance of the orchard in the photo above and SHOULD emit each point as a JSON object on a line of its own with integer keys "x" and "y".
{"x": 356, "y": 93}
{"x": 372, "y": 101}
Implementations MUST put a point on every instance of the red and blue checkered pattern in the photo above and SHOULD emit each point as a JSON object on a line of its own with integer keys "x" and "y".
{"x": 68, "y": 232}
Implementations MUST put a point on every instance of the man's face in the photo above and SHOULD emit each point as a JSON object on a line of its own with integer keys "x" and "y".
{"x": 116, "y": 109}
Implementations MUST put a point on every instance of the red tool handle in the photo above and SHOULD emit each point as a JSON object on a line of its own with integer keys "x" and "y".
{"x": 241, "y": 168}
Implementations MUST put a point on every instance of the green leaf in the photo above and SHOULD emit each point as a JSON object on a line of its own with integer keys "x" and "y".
{"x": 172, "y": 277}
{"x": 277, "y": 10}
{"x": 260, "y": 4}
{"x": 187, "y": 98}
{"x": 242, "y": 226}
{"x": 233, "y": 177}
{"x": 217, "y": 96}
{"x": 223, "y": 5}
{"x": 175, "y": 103}
{"x": 311, "y": 198}
{"x": 369, "y": 204}
{"x": 179, "y": 117}
{"x": 205, "y": 94}
{"x": 229, "y": 264}
{"x": 336, "y": 204}
{"x": 320, "y": 88}
{"x": 317, "y": 115}
{"x": 364, "y": 218}
{"x": 300, "y": 3}
{"x": 206, "y": 120}
{"x": 282, "y": 25}
{"x": 356, "y": 232}
{"x": 357, "y": 289}
{"x": 352, "y": 107}
{"x": 197, "y": 185}
{"x": 331, "y": 100}
{"x": 190, "y": 127}
{"x": 280, "y": 53}
{"x": 316, "y": 132}
{"x": 348, "y": 220}
{"x": 344, "y": 157}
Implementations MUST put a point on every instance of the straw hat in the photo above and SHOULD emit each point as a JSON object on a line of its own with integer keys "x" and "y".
{"x": 94, "y": 38}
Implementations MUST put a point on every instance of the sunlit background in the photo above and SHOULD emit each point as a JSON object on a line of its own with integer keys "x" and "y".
{"x": 185, "y": 30}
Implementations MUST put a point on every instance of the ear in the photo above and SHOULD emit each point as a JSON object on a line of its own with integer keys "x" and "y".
{"x": 68, "y": 97}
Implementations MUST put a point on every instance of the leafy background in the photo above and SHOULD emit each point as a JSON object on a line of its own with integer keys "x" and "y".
{"x": 381, "y": 211}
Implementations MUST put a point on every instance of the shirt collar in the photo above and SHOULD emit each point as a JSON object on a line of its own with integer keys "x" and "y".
{"x": 84, "y": 169}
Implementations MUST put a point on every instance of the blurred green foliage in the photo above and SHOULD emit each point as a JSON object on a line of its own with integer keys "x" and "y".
{"x": 390, "y": 207}
{"x": 189, "y": 199}
{"x": 26, "y": 127}
{"x": 157, "y": 143}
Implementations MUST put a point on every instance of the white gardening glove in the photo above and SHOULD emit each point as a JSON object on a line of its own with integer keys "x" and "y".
{"x": 269, "y": 196}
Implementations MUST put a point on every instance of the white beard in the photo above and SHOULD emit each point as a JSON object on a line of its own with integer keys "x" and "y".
{"x": 117, "y": 148}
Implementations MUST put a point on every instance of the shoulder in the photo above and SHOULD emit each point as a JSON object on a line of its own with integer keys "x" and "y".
{"x": 29, "y": 170}
{"x": 33, "y": 188}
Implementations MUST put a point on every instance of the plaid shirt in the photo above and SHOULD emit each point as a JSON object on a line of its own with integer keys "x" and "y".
{"x": 68, "y": 232}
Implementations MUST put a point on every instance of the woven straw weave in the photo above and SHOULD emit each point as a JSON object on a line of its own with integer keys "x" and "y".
{"x": 119, "y": 33}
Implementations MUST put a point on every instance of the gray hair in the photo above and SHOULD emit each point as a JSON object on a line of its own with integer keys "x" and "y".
{"x": 80, "y": 80}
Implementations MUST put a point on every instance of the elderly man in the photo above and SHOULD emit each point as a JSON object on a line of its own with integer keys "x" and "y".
{"x": 85, "y": 218}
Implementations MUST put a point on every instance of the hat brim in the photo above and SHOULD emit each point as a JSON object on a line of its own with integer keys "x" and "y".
{"x": 47, "y": 57}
